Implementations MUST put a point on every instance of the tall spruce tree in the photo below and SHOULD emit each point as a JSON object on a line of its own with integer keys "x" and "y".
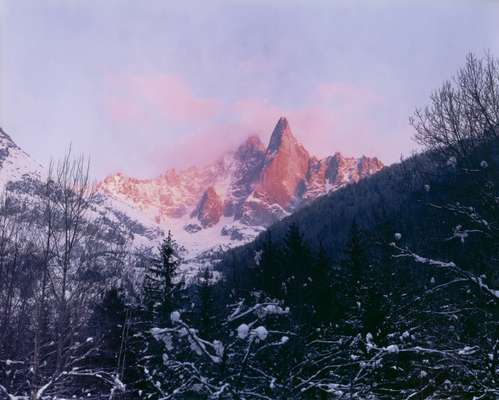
{"x": 353, "y": 273}
{"x": 270, "y": 276}
{"x": 161, "y": 289}
{"x": 297, "y": 265}
{"x": 206, "y": 303}
{"x": 162, "y": 295}
{"x": 320, "y": 288}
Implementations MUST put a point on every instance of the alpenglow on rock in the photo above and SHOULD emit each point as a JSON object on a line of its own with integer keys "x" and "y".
{"x": 241, "y": 193}
{"x": 283, "y": 171}
{"x": 209, "y": 209}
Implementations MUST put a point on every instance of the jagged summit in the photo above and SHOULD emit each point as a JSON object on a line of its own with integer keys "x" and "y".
{"x": 281, "y": 136}
{"x": 14, "y": 162}
{"x": 6, "y": 140}
{"x": 240, "y": 194}
{"x": 285, "y": 166}
{"x": 219, "y": 204}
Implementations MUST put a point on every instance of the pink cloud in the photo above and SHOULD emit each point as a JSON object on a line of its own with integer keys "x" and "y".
{"x": 256, "y": 115}
{"x": 202, "y": 146}
{"x": 165, "y": 97}
{"x": 335, "y": 117}
{"x": 344, "y": 93}
{"x": 339, "y": 117}
{"x": 171, "y": 95}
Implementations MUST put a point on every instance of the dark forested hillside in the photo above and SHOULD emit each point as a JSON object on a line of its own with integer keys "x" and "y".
{"x": 401, "y": 198}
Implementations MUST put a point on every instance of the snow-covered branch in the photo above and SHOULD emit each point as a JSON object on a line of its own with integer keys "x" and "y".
{"x": 450, "y": 266}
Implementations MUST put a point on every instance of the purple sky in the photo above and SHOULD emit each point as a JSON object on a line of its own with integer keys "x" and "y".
{"x": 146, "y": 85}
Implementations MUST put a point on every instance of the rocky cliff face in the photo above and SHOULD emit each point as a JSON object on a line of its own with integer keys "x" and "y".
{"x": 241, "y": 193}
{"x": 209, "y": 209}
{"x": 248, "y": 161}
{"x": 285, "y": 167}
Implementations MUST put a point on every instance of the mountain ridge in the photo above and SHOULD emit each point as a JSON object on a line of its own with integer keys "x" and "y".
{"x": 212, "y": 208}
{"x": 242, "y": 192}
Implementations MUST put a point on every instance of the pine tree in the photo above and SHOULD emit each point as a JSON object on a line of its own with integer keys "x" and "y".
{"x": 206, "y": 304}
{"x": 162, "y": 296}
{"x": 269, "y": 269}
{"x": 297, "y": 267}
{"x": 107, "y": 322}
{"x": 320, "y": 288}
{"x": 160, "y": 288}
{"x": 354, "y": 273}
{"x": 356, "y": 258}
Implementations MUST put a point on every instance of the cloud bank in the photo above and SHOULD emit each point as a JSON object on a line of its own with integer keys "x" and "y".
{"x": 335, "y": 117}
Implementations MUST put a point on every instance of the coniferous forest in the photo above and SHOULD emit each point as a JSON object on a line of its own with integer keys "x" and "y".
{"x": 384, "y": 289}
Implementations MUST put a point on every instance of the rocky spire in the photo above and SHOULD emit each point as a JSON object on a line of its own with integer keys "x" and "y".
{"x": 209, "y": 209}
{"x": 286, "y": 163}
{"x": 281, "y": 134}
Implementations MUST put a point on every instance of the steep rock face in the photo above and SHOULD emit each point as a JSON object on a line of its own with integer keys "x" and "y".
{"x": 368, "y": 166}
{"x": 286, "y": 164}
{"x": 281, "y": 178}
{"x": 316, "y": 182}
{"x": 344, "y": 170}
{"x": 334, "y": 172}
{"x": 210, "y": 208}
{"x": 248, "y": 160}
{"x": 171, "y": 195}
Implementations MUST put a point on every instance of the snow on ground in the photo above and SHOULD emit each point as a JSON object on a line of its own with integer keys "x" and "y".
{"x": 201, "y": 248}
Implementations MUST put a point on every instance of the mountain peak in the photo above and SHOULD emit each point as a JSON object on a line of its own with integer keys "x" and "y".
{"x": 281, "y": 133}
{"x": 251, "y": 186}
{"x": 6, "y": 139}
{"x": 283, "y": 122}
{"x": 286, "y": 163}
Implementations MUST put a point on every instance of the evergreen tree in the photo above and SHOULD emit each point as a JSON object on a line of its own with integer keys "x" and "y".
{"x": 160, "y": 289}
{"x": 206, "y": 304}
{"x": 269, "y": 269}
{"x": 320, "y": 288}
{"x": 107, "y": 322}
{"x": 356, "y": 258}
{"x": 297, "y": 263}
{"x": 162, "y": 296}
{"x": 353, "y": 273}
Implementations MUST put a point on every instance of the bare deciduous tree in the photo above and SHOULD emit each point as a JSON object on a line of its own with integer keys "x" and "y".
{"x": 464, "y": 111}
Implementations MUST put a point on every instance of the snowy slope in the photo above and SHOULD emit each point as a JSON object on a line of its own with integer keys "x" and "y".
{"x": 22, "y": 178}
{"x": 15, "y": 164}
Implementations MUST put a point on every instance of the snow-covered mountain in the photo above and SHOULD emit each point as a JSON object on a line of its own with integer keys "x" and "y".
{"x": 22, "y": 178}
{"x": 210, "y": 208}
{"x": 233, "y": 199}
{"x": 15, "y": 164}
